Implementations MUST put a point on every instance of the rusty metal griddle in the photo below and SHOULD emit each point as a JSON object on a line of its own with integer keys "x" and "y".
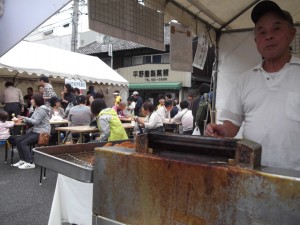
{"x": 241, "y": 152}
{"x": 178, "y": 179}
{"x": 75, "y": 161}
{"x": 85, "y": 158}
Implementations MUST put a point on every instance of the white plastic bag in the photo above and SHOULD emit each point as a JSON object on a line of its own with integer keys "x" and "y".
{"x": 56, "y": 118}
{"x": 196, "y": 131}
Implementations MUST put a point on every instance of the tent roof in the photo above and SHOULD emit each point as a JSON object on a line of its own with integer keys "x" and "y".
{"x": 226, "y": 15}
{"x": 56, "y": 63}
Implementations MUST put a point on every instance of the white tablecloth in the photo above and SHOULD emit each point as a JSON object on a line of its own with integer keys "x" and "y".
{"x": 72, "y": 202}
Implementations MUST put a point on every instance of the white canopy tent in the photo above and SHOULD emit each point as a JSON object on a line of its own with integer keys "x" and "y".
{"x": 24, "y": 68}
{"x": 57, "y": 63}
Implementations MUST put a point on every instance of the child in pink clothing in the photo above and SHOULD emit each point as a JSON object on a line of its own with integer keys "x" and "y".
{"x": 5, "y": 127}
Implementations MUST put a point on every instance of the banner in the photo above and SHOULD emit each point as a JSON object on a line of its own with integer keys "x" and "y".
{"x": 76, "y": 83}
{"x": 181, "y": 53}
{"x": 201, "y": 52}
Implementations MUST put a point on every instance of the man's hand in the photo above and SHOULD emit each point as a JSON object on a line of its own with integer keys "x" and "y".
{"x": 215, "y": 130}
{"x": 227, "y": 129}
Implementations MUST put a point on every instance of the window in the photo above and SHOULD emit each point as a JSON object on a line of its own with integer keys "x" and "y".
{"x": 137, "y": 60}
{"x": 147, "y": 59}
{"x": 166, "y": 58}
{"x": 127, "y": 61}
{"x": 156, "y": 59}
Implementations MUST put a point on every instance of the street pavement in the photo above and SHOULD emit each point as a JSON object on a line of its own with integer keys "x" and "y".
{"x": 22, "y": 200}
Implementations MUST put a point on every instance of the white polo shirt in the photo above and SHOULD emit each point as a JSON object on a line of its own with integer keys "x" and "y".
{"x": 153, "y": 121}
{"x": 269, "y": 106}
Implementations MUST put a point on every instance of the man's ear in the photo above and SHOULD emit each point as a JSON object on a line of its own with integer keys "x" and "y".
{"x": 293, "y": 32}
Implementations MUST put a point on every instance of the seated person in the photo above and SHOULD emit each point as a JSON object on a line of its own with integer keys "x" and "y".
{"x": 185, "y": 117}
{"x": 56, "y": 110}
{"x": 80, "y": 115}
{"x": 164, "y": 111}
{"x": 57, "y": 114}
{"x": 5, "y": 128}
{"x": 108, "y": 122}
{"x": 40, "y": 121}
{"x": 120, "y": 109}
{"x": 153, "y": 121}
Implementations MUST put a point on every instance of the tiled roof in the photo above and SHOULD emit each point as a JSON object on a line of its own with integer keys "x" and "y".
{"x": 117, "y": 44}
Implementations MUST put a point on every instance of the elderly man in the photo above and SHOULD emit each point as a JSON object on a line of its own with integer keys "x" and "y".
{"x": 266, "y": 98}
{"x": 120, "y": 109}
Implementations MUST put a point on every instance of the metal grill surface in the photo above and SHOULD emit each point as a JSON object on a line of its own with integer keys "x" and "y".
{"x": 84, "y": 159}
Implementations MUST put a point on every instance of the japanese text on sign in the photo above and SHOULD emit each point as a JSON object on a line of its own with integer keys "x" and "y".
{"x": 152, "y": 75}
{"x": 76, "y": 83}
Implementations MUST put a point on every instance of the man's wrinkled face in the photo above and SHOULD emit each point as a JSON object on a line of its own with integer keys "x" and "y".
{"x": 273, "y": 36}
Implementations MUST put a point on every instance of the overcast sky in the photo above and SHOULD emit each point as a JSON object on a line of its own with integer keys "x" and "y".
{"x": 63, "y": 17}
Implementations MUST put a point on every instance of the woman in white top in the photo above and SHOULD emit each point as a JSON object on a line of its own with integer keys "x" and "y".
{"x": 185, "y": 117}
{"x": 152, "y": 122}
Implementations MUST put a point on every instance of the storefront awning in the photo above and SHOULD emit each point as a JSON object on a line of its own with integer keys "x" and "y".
{"x": 155, "y": 86}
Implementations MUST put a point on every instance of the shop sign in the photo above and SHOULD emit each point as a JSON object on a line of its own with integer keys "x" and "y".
{"x": 76, "y": 83}
{"x": 152, "y": 75}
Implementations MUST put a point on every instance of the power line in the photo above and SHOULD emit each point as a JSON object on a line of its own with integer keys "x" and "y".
{"x": 54, "y": 23}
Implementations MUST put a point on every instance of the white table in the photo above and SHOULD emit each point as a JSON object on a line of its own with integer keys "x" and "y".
{"x": 72, "y": 202}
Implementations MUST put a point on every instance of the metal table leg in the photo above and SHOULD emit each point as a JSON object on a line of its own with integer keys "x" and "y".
{"x": 44, "y": 173}
{"x": 12, "y": 155}
{"x": 6, "y": 149}
{"x": 41, "y": 175}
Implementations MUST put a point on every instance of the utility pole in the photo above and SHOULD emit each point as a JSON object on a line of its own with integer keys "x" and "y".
{"x": 110, "y": 53}
{"x": 107, "y": 41}
{"x": 74, "y": 38}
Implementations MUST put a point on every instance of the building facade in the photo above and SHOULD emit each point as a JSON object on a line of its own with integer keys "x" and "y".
{"x": 148, "y": 70}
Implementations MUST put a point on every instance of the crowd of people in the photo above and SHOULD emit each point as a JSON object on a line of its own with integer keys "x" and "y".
{"x": 36, "y": 110}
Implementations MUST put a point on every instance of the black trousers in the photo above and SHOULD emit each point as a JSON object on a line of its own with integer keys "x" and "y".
{"x": 11, "y": 108}
{"x": 23, "y": 145}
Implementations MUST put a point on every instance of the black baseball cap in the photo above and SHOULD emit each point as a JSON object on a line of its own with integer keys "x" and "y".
{"x": 269, "y": 6}
{"x": 80, "y": 99}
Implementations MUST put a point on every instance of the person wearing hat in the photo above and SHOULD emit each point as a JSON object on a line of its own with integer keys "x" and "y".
{"x": 117, "y": 97}
{"x": 266, "y": 98}
{"x": 138, "y": 103}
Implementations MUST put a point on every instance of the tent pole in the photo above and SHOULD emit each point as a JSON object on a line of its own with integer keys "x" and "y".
{"x": 215, "y": 78}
